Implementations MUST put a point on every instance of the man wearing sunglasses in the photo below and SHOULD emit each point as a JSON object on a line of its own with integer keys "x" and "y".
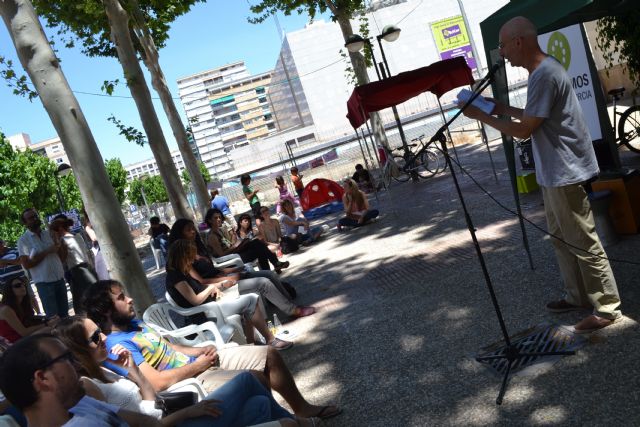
{"x": 564, "y": 160}
{"x": 165, "y": 364}
{"x": 39, "y": 254}
{"x": 37, "y": 375}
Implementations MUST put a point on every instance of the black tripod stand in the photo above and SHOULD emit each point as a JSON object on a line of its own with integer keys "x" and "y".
{"x": 511, "y": 352}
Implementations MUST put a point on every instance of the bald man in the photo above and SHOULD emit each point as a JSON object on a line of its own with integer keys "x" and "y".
{"x": 565, "y": 159}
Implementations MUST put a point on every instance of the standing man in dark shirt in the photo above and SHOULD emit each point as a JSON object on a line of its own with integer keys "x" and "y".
{"x": 159, "y": 232}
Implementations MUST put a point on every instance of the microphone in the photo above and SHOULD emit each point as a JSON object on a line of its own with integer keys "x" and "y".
{"x": 489, "y": 76}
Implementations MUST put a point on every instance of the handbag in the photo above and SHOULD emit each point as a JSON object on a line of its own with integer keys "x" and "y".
{"x": 172, "y": 401}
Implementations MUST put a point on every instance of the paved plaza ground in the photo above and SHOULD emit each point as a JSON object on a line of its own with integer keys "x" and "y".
{"x": 403, "y": 308}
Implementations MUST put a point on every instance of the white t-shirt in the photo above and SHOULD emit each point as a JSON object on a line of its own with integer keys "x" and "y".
{"x": 76, "y": 252}
{"x": 125, "y": 394}
{"x": 50, "y": 268}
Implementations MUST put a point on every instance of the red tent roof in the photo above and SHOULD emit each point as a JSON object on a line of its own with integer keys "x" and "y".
{"x": 320, "y": 191}
{"x": 438, "y": 78}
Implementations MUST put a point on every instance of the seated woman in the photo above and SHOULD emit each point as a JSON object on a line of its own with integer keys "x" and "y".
{"x": 248, "y": 249}
{"x": 241, "y": 401}
{"x": 356, "y": 207}
{"x": 17, "y": 318}
{"x": 187, "y": 291}
{"x": 291, "y": 224}
{"x": 269, "y": 230}
{"x": 246, "y": 229}
{"x": 363, "y": 178}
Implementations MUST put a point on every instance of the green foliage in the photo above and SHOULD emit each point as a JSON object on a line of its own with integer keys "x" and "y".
{"x": 118, "y": 177}
{"x": 109, "y": 86}
{"x": 186, "y": 178}
{"x": 266, "y": 8}
{"x": 154, "y": 190}
{"x": 620, "y": 35}
{"x": 26, "y": 180}
{"x": 19, "y": 84}
{"x": 86, "y": 21}
{"x": 129, "y": 132}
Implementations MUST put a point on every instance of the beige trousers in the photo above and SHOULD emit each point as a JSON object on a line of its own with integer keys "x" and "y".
{"x": 588, "y": 279}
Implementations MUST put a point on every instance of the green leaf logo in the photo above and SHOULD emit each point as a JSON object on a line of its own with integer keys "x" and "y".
{"x": 558, "y": 47}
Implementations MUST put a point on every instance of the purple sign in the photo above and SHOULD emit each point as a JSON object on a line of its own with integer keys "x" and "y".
{"x": 452, "y": 31}
{"x": 461, "y": 51}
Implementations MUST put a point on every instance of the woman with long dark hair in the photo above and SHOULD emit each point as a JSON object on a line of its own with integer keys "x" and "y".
{"x": 187, "y": 291}
{"x": 241, "y": 401}
{"x": 17, "y": 318}
{"x": 266, "y": 283}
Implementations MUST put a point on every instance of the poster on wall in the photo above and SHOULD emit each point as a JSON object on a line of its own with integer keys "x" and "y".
{"x": 452, "y": 39}
{"x": 567, "y": 46}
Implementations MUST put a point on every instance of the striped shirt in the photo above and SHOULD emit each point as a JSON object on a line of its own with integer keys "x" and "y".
{"x": 10, "y": 271}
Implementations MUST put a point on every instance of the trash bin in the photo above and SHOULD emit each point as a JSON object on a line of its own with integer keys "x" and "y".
{"x": 525, "y": 152}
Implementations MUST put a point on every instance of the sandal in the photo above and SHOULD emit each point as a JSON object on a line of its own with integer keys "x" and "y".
{"x": 280, "y": 345}
{"x": 303, "y": 311}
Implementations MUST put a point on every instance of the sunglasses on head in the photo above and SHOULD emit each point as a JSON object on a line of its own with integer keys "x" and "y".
{"x": 96, "y": 337}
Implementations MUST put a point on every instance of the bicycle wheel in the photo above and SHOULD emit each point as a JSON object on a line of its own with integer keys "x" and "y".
{"x": 403, "y": 176}
{"x": 428, "y": 164}
{"x": 629, "y": 128}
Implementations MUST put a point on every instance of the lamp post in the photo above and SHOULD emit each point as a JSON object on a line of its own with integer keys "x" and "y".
{"x": 390, "y": 33}
{"x": 63, "y": 169}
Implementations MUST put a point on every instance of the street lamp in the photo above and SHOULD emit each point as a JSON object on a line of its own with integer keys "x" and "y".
{"x": 356, "y": 42}
{"x": 63, "y": 169}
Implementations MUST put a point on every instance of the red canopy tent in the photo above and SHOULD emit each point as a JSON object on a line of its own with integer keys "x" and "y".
{"x": 438, "y": 78}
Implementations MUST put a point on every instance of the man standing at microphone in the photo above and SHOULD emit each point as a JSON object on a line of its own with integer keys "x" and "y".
{"x": 564, "y": 160}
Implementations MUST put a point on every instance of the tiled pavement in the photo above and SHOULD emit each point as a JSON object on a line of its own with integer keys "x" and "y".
{"x": 403, "y": 307}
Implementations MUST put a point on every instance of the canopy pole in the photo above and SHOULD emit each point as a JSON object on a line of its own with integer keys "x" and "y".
{"x": 375, "y": 191}
{"x": 444, "y": 120}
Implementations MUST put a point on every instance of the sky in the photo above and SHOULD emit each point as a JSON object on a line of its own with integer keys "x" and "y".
{"x": 210, "y": 35}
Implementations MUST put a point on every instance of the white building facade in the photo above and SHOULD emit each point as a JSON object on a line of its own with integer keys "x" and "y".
{"x": 316, "y": 67}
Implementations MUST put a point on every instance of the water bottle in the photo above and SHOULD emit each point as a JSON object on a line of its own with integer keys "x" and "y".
{"x": 276, "y": 324}
{"x": 271, "y": 328}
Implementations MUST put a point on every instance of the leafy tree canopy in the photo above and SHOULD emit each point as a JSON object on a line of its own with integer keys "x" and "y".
{"x": 203, "y": 170}
{"x": 118, "y": 177}
{"x": 621, "y": 35}
{"x": 266, "y": 8}
{"x": 26, "y": 180}
{"x": 154, "y": 190}
{"x": 87, "y": 21}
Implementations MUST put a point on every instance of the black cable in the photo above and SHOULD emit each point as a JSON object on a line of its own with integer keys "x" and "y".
{"x": 542, "y": 230}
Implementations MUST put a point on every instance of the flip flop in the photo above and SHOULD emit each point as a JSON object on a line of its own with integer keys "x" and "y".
{"x": 276, "y": 344}
{"x": 328, "y": 411}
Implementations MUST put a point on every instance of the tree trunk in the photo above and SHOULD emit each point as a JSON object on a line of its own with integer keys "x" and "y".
{"x": 360, "y": 69}
{"x": 152, "y": 62}
{"x": 119, "y": 23}
{"x": 40, "y": 62}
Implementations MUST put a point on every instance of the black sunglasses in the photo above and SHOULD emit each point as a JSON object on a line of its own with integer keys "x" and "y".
{"x": 96, "y": 337}
{"x": 68, "y": 356}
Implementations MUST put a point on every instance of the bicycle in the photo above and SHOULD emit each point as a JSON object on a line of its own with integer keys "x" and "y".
{"x": 627, "y": 132}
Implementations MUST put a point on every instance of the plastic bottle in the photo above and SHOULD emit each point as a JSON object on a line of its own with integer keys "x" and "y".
{"x": 271, "y": 328}
{"x": 276, "y": 323}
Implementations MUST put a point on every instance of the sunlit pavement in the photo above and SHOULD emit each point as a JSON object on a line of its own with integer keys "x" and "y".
{"x": 403, "y": 307}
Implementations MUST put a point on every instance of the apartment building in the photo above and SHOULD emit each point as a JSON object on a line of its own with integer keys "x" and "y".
{"x": 149, "y": 167}
{"x": 51, "y": 148}
{"x": 227, "y": 107}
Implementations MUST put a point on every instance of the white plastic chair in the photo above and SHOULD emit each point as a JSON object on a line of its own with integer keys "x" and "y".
{"x": 158, "y": 316}
{"x": 157, "y": 255}
{"x": 227, "y": 325}
{"x": 190, "y": 384}
{"x": 231, "y": 260}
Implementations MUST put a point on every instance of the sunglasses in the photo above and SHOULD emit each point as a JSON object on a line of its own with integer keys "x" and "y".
{"x": 17, "y": 285}
{"x": 68, "y": 356}
{"x": 96, "y": 337}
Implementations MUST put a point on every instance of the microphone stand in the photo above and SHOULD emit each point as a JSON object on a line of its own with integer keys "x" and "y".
{"x": 511, "y": 352}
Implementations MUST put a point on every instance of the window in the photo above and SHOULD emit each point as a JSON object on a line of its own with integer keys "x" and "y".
{"x": 260, "y": 90}
{"x": 262, "y": 100}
